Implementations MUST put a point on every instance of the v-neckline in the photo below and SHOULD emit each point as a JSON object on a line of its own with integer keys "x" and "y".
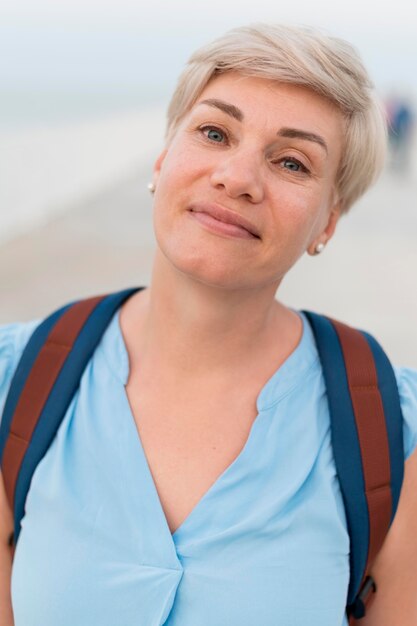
{"x": 202, "y": 500}
{"x": 264, "y": 398}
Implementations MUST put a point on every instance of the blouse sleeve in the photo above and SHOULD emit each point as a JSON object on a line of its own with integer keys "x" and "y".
{"x": 13, "y": 339}
{"x": 407, "y": 386}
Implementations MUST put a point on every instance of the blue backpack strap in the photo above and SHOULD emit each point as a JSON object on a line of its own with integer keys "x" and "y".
{"x": 367, "y": 441}
{"x": 52, "y": 369}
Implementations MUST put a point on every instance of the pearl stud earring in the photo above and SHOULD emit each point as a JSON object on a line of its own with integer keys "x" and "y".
{"x": 151, "y": 187}
{"x": 319, "y": 248}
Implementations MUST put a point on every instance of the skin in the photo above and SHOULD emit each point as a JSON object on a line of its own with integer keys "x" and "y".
{"x": 6, "y": 527}
{"x": 293, "y": 210}
{"x": 218, "y": 291}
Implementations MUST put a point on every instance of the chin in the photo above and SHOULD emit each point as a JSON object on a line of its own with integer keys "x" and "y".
{"x": 210, "y": 260}
{"x": 217, "y": 271}
{"x": 206, "y": 269}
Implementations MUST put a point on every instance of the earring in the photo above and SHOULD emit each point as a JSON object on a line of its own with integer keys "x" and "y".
{"x": 319, "y": 248}
{"x": 151, "y": 187}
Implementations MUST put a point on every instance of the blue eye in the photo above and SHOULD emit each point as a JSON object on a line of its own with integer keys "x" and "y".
{"x": 291, "y": 164}
{"x": 294, "y": 166}
{"x": 214, "y": 134}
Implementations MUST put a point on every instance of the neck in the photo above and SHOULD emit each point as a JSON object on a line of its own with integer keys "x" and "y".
{"x": 215, "y": 328}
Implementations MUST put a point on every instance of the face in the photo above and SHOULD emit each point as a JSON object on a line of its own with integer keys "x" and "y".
{"x": 247, "y": 183}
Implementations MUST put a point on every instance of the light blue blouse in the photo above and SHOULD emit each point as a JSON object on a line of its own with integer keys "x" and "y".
{"x": 267, "y": 544}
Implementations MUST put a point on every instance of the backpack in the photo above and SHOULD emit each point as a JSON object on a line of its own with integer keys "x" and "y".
{"x": 365, "y": 411}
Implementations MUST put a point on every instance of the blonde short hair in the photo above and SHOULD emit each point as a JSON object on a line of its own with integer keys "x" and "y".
{"x": 303, "y": 56}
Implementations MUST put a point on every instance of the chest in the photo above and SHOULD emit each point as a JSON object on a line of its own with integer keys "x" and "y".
{"x": 268, "y": 541}
{"x": 189, "y": 444}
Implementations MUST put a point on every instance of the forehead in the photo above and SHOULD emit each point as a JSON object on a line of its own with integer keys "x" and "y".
{"x": 276, "y": 104}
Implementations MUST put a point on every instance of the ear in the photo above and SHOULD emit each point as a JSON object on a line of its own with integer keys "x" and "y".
{"x": 328, "y": 231}
{"x": 157, "y": 166}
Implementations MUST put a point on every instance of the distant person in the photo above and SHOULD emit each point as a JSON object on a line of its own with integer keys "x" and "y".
{"x": 223, "y": 459}
{"x": 400, "y": 133}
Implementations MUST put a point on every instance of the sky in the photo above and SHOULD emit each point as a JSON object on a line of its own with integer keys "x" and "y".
{"x": 126, "y": 51}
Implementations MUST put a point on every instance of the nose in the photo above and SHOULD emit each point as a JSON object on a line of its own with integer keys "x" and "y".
{"x": 239, "y": 174}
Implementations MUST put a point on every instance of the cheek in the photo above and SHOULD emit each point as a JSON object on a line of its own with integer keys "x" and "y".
{"x": 170, "y": 190}
{"x": 298, "y": 211}
{"x": 297, "y": 215}
{"x": 172, "y": 193}
{"x": 184, "y": 175}
{"x": 181, "y": 163}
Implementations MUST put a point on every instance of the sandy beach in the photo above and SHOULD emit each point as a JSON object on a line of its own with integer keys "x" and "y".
{"x": 366, "y": 276}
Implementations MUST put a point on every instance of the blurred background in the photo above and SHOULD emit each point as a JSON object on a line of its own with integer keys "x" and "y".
{"x": 83, "y": 90}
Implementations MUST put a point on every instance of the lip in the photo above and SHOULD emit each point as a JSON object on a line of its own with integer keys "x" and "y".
{"x": 226, "y": 216}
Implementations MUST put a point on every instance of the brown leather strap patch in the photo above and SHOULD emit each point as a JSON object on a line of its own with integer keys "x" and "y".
{"x": 41, "y": 379}
{"x": 373, "y": 439}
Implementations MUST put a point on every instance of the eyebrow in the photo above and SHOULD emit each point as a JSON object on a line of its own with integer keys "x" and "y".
{"x": 290, "y": 133}
{"x": 230, "y": 109}
{"x": 296, "y": 133}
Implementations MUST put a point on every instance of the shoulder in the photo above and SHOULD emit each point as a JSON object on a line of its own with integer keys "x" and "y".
{"x": 407, "y": 388}
{"x": 13, "y": 339}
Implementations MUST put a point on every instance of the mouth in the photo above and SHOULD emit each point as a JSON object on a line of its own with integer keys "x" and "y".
{"x": 224, "y": 220}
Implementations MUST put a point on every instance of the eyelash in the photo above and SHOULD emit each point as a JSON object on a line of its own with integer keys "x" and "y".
{"x": 203, "y": 129}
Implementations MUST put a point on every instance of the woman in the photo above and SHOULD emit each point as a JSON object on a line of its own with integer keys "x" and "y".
{"x": 211, "y": 515}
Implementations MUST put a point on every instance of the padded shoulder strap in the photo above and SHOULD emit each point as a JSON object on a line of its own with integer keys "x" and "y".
{"x": 43, "y": 385}
{"x": 367, "y": 442}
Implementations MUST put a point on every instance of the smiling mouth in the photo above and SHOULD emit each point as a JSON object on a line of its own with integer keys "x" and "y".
{"x": 224, "y": 221}
{"x": 222, "y": 228}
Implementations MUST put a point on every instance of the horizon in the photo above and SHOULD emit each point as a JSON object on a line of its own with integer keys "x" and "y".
{"x": 106, "y": 57}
